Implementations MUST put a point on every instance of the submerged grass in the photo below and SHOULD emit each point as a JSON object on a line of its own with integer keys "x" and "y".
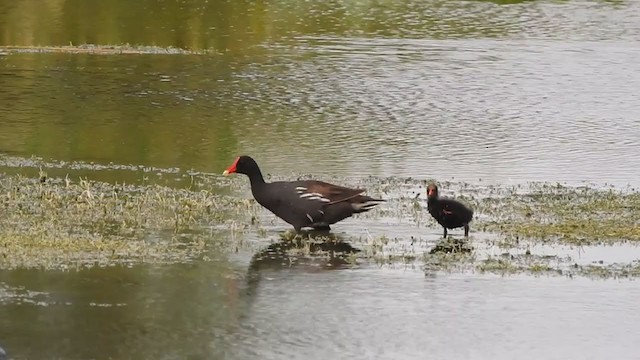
{"x": 508, "y": 221}
{"x": 570, "y": 215}
{"x": 123, "y": 49}
{"x": 60, "y": 223}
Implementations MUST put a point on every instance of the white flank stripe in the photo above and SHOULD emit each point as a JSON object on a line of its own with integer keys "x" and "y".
{"x": 314, "y": 196}
{"x": 365, "y": 206}
{"x": 301, "y": 188}
{"x": 309, "y": 217}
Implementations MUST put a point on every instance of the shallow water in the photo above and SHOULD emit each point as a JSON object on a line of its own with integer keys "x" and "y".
{"x": 479, "y": 91}
{"x": 208, "y": 311}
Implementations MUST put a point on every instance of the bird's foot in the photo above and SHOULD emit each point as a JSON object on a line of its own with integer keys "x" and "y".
{"x": 322, "y": 228}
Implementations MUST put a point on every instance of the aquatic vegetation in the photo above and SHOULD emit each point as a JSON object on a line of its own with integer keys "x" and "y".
{"x": 451, "y": 245}
{"x": 513, "y": 219}
{"x": 103, "y": 50}
{"x": 558, "y": 213}
{"x": 497, "y": 265}
{"x": 507, "y": 263}
{"x": 53, "y": 222}
{"x": 550, "y": 266}
{"x": 439, "y": 261}
{"x": 60, "y": 222}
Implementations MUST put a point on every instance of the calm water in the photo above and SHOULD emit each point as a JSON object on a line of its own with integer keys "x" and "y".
{"x": 503, "y": 91}
{"x": 304, "y": 312}
{"x": 465, "y": 89}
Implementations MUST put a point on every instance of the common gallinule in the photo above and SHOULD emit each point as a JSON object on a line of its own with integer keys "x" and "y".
{"x": 304, "y": 203}
{"x": 449, "y": 213}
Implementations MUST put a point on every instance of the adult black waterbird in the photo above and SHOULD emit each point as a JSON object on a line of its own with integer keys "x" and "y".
{"x": 304, "y": 203}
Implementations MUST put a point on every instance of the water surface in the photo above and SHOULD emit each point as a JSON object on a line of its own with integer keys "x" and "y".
{"x": 479, "y": 91}
{"x": 208, "y": 311}
{"x": 499, "y": 91}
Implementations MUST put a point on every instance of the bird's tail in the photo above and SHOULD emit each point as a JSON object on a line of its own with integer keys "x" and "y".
{"x": 365, "y": 204}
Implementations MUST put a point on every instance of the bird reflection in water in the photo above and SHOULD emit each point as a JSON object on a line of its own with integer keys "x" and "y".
{"x": 311, "y": 251}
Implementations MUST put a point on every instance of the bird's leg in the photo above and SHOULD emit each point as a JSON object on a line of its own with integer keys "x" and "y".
{"x": 466, "y": 230}
{"x": 445, "y": 232}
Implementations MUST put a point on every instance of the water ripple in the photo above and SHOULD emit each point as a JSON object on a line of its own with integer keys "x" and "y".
{"x": 534, "y": 109}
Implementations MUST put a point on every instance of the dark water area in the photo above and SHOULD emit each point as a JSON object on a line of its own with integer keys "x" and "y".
{"x": 485, "y": 92}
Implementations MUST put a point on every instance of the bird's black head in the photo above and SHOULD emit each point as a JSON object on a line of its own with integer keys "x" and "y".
{"x": 432, "y": 191}
{"x": 242, "y": 165}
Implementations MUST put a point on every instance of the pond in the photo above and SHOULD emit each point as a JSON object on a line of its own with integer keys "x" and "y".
{"x": 482, "y": 93}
